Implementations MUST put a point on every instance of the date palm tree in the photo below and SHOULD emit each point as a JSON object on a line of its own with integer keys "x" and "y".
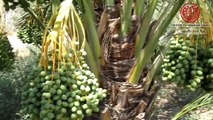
{"x": 122, "y": 36}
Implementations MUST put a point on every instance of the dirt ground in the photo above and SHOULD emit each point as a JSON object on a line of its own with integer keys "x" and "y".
{"x": 172, "y": 98}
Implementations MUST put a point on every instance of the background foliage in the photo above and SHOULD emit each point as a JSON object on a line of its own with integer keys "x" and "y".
{"x": 11, "y": 84}
{"x": 7, "y": 55}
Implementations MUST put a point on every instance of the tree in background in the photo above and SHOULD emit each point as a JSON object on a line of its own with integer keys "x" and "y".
{"x": 7, "y": 55}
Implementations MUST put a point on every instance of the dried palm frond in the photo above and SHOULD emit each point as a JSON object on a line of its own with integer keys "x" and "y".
{"x": 67, "y": 33}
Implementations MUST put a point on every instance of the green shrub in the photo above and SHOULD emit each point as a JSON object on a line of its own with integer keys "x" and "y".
{"x": 7, "y": 55}
{"x": 11, "y": 84}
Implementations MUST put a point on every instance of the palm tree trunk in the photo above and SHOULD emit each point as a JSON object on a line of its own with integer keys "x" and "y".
{"x": 126, "y": 100}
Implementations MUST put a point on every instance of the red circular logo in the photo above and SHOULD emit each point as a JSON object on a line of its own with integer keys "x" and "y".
{"x": 190, "y": 12}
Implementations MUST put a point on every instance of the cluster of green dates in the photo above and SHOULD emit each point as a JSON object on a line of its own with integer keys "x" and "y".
{"x": 30, "y": 33}
{"x": 208, "y": 68}
{"x": 71, "y": 93}
{"x": 7, "y": 56}
{"x": 189, "y": 65}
